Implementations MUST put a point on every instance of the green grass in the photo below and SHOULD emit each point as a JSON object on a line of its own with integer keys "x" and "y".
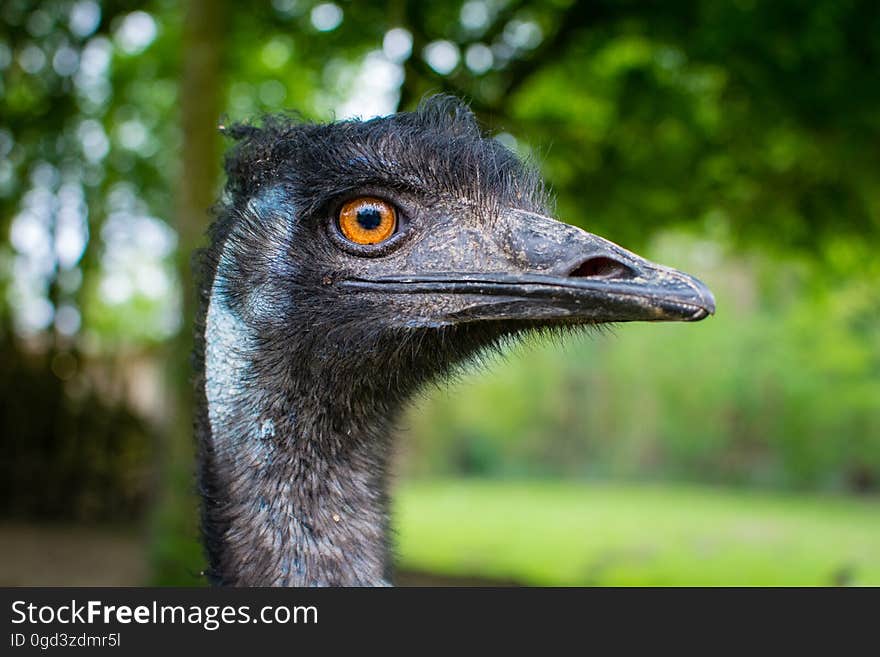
{"x": 556, "y": 534}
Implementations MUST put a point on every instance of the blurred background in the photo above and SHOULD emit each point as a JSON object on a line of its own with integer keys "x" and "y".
{"x": 739, "y": 141}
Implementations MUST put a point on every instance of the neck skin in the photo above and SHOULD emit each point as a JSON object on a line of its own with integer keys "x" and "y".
{"x": 295, "y": 489}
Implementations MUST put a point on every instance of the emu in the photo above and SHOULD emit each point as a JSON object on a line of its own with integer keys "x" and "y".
{"x": 351, "y": 263}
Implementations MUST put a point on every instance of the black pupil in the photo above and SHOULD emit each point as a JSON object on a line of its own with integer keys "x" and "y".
{"x": 369, "y": 218}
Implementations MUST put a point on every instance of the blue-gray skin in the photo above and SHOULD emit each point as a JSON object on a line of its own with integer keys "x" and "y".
{"x": 308, "y": 345}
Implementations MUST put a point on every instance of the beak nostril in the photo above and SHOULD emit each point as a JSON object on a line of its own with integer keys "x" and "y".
{"x": 602, "y": 267}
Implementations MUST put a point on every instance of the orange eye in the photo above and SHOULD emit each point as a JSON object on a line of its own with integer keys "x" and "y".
{"x": 367, "y": 220}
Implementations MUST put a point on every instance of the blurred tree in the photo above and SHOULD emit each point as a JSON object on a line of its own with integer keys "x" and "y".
{"x": 748, "y": 122}
{"x": 201, "y": 84}
{"x": 761, "y": 108}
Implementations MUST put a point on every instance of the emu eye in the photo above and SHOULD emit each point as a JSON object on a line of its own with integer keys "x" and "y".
{"x": 367, "y": 220}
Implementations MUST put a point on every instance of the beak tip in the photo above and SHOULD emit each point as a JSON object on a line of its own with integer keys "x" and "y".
{"x": 706, "y": 302}
{"x": 701, "y": 313}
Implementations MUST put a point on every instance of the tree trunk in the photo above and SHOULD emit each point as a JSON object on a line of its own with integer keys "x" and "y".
{"x": 176, "y": 550}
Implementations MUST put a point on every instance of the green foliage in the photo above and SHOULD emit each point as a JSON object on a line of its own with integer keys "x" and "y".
{"x": 746, "y": 119}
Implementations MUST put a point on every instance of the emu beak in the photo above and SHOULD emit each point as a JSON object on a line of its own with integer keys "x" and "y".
{"x": 549, "y": 272}
{"x": 593, "y": 279}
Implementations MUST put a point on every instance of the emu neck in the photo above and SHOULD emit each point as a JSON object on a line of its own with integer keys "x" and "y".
{"x": 295, "y": 491}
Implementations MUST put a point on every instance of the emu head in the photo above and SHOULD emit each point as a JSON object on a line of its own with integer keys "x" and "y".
{"x": 368, "y": 257}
